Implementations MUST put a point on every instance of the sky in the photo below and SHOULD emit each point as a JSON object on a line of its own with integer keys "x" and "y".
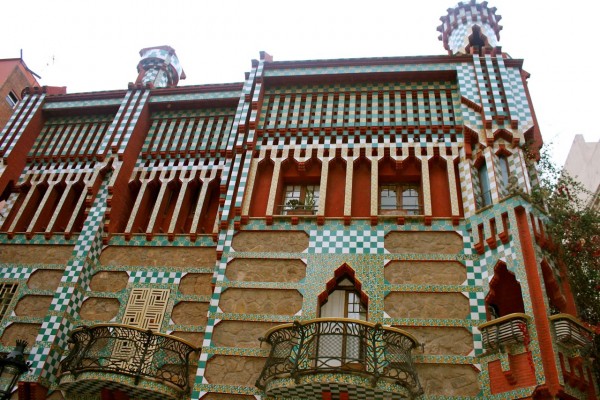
{"x": 94, "y": 45}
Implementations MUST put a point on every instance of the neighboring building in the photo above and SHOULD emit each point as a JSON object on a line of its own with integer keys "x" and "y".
{"x": 146, "y": 223}
{"x": 14, "y": 77}
{"x": 583, "y": 164}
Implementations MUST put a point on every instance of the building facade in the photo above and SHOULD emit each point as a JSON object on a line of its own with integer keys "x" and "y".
{"x": 14, "y": 77}
{"x": 366, "y": 218}
{"x": 583, "y": 164}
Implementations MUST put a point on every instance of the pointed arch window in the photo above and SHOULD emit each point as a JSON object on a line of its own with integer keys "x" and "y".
{"x": 344, "y": 302}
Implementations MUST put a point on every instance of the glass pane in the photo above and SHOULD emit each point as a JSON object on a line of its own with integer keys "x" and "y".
{"x": 311, "y": 198}
{"x": 355, "y": 308}
{"x": 388, "y": 198}
{"x": 484, "y": 184}
{"x": 410, "y": 200}
{"x": 504, "y": 171}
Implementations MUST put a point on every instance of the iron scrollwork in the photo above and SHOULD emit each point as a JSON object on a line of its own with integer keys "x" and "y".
{"x": 330, "y": 345}
{"x": 129, "y": 351}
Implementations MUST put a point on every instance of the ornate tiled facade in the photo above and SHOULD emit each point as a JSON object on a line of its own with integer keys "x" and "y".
{"x": 168, "y": 208}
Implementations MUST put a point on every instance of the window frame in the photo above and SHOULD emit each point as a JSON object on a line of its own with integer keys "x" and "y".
{"x": 401, "y": 199}
{"x": 12, "y": 99}
{"x": 300, "y": 193}
{"x": 8, "y": 290}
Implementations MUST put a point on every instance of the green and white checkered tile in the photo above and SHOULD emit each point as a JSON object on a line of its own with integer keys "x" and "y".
{"x": 477, "y": 304}
{"x": 124, "y": 105}
{"x": 352, "y": 240}
{"x": 11, "y": 271}
{"x": 155, "y": 277}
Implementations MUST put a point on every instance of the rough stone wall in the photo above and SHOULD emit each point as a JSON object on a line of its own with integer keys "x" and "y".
{"x": 234, "y": 370}
{"x": 425, "y": 272}
{"x": 182, "y": 257}
{"x": 196, "y": 284}
{"x": 99, "y": 309}
{"x": 109, "y": 281}
{"x": 261, "y": 301}
{"x": 265, "y": 270}
{"x": 277, "y": 241}
{"x": 45, "y": 279}
{"x": 442, "y": 341}
{"x": 424, "y": 242}
{"x": 17, "y": 254}
{"x": 33, "y": 306}
{"x": 427, "y": 305}
{"x": 240, "y": 333}
{"x": 19, "y": 330}
{"x": 190, "y": 313}
{"x": 448, "y": 379}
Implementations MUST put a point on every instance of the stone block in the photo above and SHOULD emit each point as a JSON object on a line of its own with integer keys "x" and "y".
{"x": 427, "y": 305}
{"x": 109, "y": 281}
{"x": 271, "y": 241}
{"x": 45, "y": 279}
{"x": 261, "y": 301}
{"x": 99, "y": 309}
{"x": 425, "y": 272}
{"x": 424, "y": 242}
{"x": 265, "y": 270}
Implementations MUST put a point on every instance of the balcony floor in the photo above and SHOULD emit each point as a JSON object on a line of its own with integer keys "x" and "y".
{"x": 313, "y": 386}
{"x": 91, "y": 383}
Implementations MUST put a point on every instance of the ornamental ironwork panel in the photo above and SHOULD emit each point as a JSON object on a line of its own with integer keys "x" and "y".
{"x": 148, "y": 355}
{"x": 346, "y": 346}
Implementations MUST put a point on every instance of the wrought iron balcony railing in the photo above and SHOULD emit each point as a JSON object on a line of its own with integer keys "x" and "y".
{"x": 570, "y": 331}
{"x": 511, "y": 328}
{"x": 331, "y": 345}
{"x": 125, "y": 350}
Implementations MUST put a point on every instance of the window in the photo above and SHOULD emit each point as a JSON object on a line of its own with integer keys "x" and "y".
{"x": 12, "y": 99}
{"x": 504, "y": 172}
{"x": 485, "y": 195}
{"x": 342, "y": 346}
{"x": 344, "y": 302}
{"x": 400, "y": 199}
{"x": 7, "y": 291}
{"x": 300, "y": 199}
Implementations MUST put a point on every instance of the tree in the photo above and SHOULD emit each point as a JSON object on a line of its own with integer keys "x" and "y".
{"x": 574, "y": 230}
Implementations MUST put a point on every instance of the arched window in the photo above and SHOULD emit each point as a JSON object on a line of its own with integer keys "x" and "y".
{"x": 343, "y": 297}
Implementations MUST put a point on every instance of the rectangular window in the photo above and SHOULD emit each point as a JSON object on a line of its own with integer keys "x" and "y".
{"x": 504, "y": 173}
{"x": 300, "y": 199}
{"x": 7, "y": 292}
{"x": 485, "y": 197}
{"x": 400, "y": 199}
{"x": 12, "y": 99}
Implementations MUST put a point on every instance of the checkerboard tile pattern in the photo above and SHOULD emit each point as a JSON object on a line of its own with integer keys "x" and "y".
{"x": 171, "y": 278}
{"x": 69, "y": 295}
{"x": 346, "y": 241}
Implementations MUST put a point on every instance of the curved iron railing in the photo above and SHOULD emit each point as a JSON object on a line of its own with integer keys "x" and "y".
{"x": 131, "y": 351}
{"x": 511, "y": 328}
{"x": 331, "y": 345}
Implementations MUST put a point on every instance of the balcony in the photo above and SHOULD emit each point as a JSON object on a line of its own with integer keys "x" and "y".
{"x": 571, "y": 332}
{"x": 138, "y": 362}
{"x": 360, "y": 358}
{"x": 509, "y": 329}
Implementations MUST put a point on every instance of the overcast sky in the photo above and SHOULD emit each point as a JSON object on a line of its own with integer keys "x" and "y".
{"x": 90, "y": 46}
